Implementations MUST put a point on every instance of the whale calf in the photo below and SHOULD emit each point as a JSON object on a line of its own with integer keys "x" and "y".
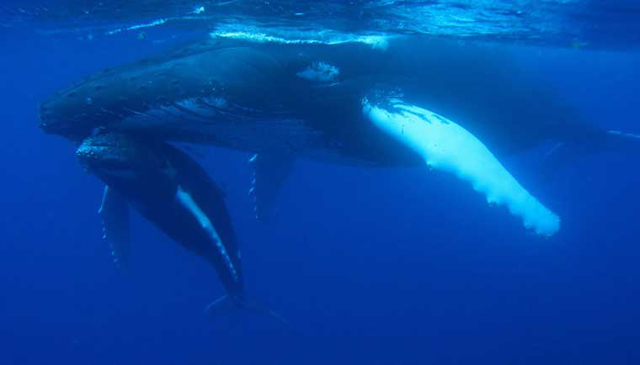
{"x": 170, "y": 190}
{"x": 407, "y": 101}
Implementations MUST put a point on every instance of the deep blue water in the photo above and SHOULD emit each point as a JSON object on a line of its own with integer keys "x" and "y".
{"x": 371, "y": 266}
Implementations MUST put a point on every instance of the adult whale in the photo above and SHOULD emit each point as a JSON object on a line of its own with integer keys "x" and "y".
{"x": 400, "y": 101}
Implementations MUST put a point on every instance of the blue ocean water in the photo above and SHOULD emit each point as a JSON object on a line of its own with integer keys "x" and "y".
{"x": 371, "y": 266}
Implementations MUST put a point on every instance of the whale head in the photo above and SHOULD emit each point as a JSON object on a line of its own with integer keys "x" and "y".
{"x": 184, "y": 92}
{"x": 124, "y": 162}
{"x": 60, "y": 114}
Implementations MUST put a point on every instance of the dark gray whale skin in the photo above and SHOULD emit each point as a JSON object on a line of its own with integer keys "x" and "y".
{"x": 260, "y": 97}
{"x": 148, "y": 174}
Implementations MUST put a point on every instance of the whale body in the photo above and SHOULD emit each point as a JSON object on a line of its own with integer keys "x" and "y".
{"x": 408, "y": 102}
{"x": 268, "y": 96}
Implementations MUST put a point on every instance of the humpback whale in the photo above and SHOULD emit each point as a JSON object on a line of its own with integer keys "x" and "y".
{"x": 404, "y": 101}
{"x": 169, "y": 189}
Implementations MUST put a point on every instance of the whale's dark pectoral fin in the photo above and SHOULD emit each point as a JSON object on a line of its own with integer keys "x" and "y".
{"x": 270, "y": 170}
{"x": 115, "y": 225}
{"x": 446, "y": 146}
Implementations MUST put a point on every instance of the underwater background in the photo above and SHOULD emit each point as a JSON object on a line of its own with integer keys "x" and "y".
{"x": 370, "y": 265}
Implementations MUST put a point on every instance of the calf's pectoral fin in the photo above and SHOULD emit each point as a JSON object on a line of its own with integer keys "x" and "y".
{"x": 184, "y": 198}
{"x": 115, "y": 226}
{"x": 446, "y": 146}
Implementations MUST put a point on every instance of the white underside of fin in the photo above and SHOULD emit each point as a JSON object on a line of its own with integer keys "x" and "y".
{"x": 446, "y": 146}
{"x": 185, "y": 199}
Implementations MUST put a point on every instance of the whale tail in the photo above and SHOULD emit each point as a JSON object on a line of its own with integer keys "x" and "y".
{"x": 228, "y": 304}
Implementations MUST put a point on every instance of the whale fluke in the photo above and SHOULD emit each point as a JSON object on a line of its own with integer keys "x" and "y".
{"x": 227, "y": 304}
{"x": 445, "y": 145}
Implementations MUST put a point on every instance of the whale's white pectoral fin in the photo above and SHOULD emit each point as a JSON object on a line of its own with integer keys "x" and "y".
{"x": 186, "y": 201}
{"x": 114, "y": 211}
{"x": 446, "y": 146}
